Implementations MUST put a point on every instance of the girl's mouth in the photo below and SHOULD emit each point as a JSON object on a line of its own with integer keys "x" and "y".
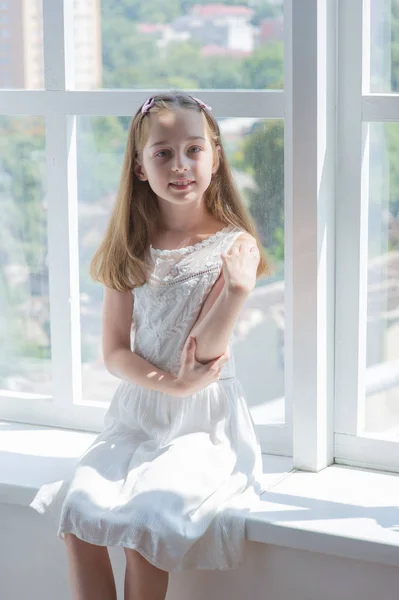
{"x": 178, "y": 186}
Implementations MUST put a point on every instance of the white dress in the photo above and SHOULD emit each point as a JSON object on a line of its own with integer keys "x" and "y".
{"x": 172, "y": 478}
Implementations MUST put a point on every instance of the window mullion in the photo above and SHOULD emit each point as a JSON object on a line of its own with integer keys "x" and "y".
{"x": 260, "y": 104}
{"x": 313, "y": 94}
{"x": 62, "y": 207}
{"x": 352, "y": 219}
{"x": 288, "y": 214}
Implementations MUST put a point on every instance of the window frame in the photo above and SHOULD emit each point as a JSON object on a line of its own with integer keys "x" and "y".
{"x": 357, "y": 106}
{"x": 325, "y": 77}
{"x": 60, "y": 104}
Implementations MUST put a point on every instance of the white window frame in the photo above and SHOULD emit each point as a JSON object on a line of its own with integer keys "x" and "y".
{"x": 322, "y": 166}
{"x": 357, "y": 106}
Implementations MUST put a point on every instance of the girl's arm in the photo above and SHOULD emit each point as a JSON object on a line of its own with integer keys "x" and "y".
{"x": 126, "y": 364}
{"x": 119, "y": 359}
{"x": 221, "y": 309}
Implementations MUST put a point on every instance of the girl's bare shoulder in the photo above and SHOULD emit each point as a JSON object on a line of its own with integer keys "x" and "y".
{"x": 244, "y": 237}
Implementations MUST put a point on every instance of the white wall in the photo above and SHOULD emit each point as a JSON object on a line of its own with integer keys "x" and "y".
{"x": 34, "y": 565}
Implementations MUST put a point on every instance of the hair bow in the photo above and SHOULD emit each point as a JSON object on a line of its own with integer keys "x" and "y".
{"x": 150, "y": 102}
{"x": 202, "y": 104}
{"x": 147, "y": 105}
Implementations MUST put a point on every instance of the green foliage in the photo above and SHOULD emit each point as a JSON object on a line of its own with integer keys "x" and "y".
{"x": 263, "y": 69}
{"x": 31, "y": 349}
{"x": 392, "y": 143}
{"x": 154, "y": 11}
{"x": 135, "y": 61}
{"x": 263, "y": 151}
{"x": 22, "y": 160}
{"x": 279, "y": 244}
{"x": 264, "y": 10}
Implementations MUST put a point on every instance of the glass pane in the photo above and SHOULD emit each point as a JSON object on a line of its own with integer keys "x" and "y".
{"x": 384, "y": 54}
{"x": 256, "y": 153}
{"x": 382, "y": 376}
{"x": 179, "y": 44}
{"x": 21, "y": 44}
{"x": 255, "y": 149}
{"x": 25, "y": 345}
{"x": 101, "y": 145}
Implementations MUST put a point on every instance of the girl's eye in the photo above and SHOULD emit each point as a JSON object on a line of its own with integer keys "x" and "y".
{"x": 158, "y": 153}
{"x": 163, "y": 151}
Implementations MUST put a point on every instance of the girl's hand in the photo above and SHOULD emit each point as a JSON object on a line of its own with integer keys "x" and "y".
{"x": 195, "y": 376}
{"x": 240, "y": 266}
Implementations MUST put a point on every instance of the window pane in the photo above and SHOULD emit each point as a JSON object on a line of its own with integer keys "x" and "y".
{"x": 25, "y": 349}
{"x": 256, "y": 153}
{"x": 179, "y": 44}
{"x": 21, "y": 44}
{"x": 382, "y": 377}
{"x": 100, "y": 149}
{"x": 176, "y": 44}
{"x": 384, "y": 54}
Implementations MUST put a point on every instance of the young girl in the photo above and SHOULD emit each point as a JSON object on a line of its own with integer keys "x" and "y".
{"x": 178, "y": 464}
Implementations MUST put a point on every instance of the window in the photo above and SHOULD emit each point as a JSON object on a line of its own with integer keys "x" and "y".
{"x": 25, "y": 361}
{"x": 255, "y": 150}
{"x": 306, "y": 97}
{"x": 367, "y": 352}
{"x": 18, "y": 36}
{"x": 192, "y": 45}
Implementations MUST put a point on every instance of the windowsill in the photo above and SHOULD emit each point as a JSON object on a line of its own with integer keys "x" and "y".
{"x": 342, "y": 511}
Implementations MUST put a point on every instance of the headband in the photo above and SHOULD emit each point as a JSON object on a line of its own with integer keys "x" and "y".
{"x": 150, "y": 102}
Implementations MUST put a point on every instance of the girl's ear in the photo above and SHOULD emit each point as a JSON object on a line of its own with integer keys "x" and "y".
{"x": 139, "y": 171}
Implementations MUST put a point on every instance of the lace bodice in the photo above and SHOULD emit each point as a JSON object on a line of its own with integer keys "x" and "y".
{"x": 168, "y": 304}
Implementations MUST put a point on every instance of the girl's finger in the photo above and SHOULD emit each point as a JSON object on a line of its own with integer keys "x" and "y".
{"x": 217, "y": 367}
{"x": 192, "y": 348}
{"x": 188, "y": 347}
{"x": 213, "y": 364}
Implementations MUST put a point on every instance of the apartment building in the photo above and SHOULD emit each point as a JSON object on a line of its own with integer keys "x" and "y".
{"x": 21, "y": 44}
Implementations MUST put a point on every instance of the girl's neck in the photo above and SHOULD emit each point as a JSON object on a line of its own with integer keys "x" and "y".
{"x": 173, "y": 239}
{"x": 190, "y": 228}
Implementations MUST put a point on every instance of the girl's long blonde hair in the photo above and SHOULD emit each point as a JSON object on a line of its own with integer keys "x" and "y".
{"x": 119, "y": 262}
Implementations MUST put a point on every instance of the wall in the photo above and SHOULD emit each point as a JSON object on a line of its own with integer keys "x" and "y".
{"x": 34, "y": 565}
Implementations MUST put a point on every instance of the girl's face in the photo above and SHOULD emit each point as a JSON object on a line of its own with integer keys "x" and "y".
{"x": 178, "y": 149}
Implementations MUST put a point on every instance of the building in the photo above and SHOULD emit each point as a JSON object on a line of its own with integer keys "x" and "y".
{"x": 220, "y": 25}
{"x": 21, "y": 44}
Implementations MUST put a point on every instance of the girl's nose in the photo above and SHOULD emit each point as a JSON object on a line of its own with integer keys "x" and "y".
{"x": 180, "y": 163}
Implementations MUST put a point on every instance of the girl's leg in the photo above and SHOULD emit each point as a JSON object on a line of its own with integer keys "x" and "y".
{"x": 143, "y": 581}
{"x": 90, "y": 570}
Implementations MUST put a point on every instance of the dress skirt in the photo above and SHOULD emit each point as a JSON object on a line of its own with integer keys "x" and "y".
{"x": 173, "y": 478}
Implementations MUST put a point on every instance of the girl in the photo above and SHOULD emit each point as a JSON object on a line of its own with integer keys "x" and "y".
{"x": 178, "y": 464}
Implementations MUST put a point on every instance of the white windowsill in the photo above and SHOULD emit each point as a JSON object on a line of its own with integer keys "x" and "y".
{"x": 342, "y": 511}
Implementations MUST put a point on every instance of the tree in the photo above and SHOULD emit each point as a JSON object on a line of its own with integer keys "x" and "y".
{"x": 262, "y": 156}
